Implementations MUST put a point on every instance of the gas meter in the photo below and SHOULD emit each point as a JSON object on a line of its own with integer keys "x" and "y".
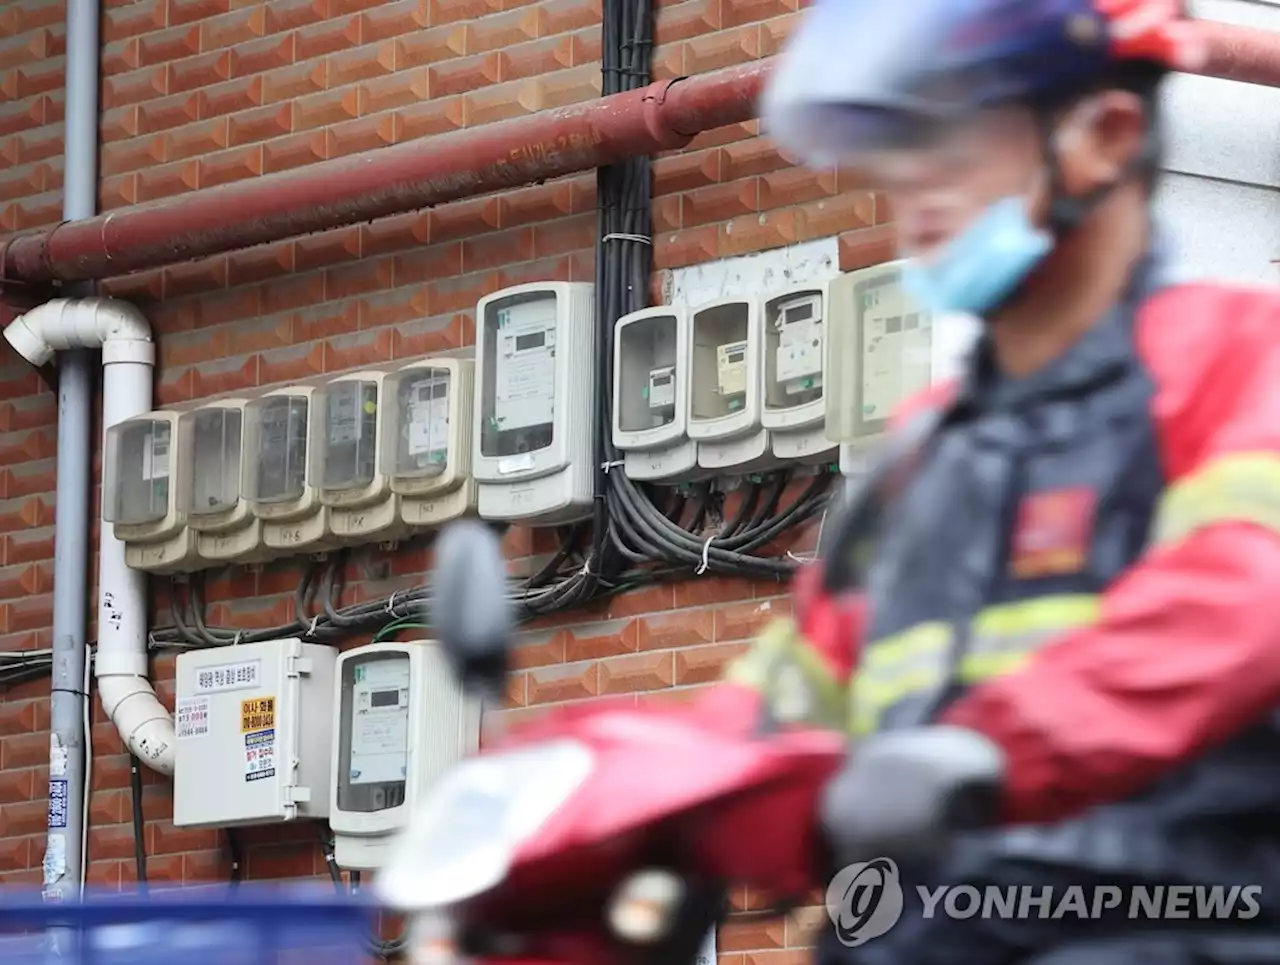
{"x": 724, "y": 386}
{"x": 209, "y": 494}
{"x": 140, "y": 499}
{"x": 794, "y": 335}
{"x": 428, "y": 455}
{"x": 650, "y": 394}
{"x": 402, "y": 721}
{"x": 345, "y": 448}
{"x": 535, "y": 424}
{"x": 274, "y": 478}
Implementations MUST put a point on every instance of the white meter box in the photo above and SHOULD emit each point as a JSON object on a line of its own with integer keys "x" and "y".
{"x": 254, "y": 726}
{"x": 795, "y": 325}
{"x": 650, "y": 394}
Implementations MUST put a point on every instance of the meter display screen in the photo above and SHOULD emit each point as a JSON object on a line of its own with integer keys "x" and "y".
{"x": 373, "y": 739}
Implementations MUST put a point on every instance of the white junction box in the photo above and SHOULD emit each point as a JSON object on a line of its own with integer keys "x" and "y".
{"x": 254, "y": 726}
{"x": 402, "y": 720}
{"x": 535, "y": 424}
{"x": 724, "y": 404}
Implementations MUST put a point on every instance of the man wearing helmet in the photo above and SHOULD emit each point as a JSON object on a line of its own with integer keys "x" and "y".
{"x": 1062, "y": 664}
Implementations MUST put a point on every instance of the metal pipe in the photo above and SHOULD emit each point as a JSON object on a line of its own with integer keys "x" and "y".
{"x": 68, "y": 802}
{"x": 420, "y": 174}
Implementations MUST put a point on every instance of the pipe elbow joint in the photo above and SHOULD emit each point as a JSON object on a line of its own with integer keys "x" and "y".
{"x": 117, "y": 327}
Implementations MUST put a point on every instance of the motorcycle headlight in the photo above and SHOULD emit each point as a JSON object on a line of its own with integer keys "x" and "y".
{"x": 461, "y": 841}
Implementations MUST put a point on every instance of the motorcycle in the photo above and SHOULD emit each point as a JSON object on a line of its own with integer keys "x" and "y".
{"x": 600, "y": 835}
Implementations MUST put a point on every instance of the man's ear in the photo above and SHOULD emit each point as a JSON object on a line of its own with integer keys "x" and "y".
{"x": 1099, "y": 139}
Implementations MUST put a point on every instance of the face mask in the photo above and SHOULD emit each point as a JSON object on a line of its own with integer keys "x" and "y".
{"x": 980, "y": 267}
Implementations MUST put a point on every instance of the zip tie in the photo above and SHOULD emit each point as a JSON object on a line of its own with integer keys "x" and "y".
{"x": 236, "y": 642}
{"x": 706, "y": 549}
{"x": 622, "y": 236}
{"x": 391, "y": 602}
{"x": 606, "y": 466}
{"x": 311, "y": 630}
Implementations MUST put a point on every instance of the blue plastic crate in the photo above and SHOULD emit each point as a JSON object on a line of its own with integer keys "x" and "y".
{"x": 259, "y": 925}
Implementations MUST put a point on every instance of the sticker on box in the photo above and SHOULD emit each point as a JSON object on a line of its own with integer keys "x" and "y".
{"x": 259, "y": 755}
{"x": 258, "y": 713}
{"x": 191, "y": 717}
{"x": 57, "y": 804}
{"x": 245, "y": 675}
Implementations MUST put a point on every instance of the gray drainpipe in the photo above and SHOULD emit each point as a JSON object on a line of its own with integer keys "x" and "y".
{"x": 63, "y": 865}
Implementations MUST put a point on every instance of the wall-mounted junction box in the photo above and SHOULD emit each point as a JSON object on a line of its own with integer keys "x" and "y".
{"x": 139, "y": 495}
{"x": 210, "y": 498}
{"x": 277, "y": 430}
{"x": 402, "y": 720}
{"x": 254, "y": 726}
{"x": 345, "y": 464}
{"x": 795, "y": 326}
{"x": 428, "y": 455}
{"x": 725, "y": 386}
{"x": 536, "y": 403}
{"x": 651, "y": 394}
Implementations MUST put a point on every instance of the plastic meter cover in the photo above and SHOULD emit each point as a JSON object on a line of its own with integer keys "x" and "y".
{"x": 137, "y": 472}
{"x": 350, "y": 435}
{"x": 421, "y": 398}
{"x": 215, "y": 461}
{"x": 276, "y": 439}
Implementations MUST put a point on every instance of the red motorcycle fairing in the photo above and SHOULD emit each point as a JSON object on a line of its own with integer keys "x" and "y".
{"x": 689, "y": 786}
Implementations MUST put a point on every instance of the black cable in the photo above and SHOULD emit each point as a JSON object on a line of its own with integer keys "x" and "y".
{"x": 139, "y": 826}
{"x": 236, "y": 853}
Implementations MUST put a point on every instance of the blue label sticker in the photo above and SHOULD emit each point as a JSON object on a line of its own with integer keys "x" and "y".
{"x": 57, "y": 804}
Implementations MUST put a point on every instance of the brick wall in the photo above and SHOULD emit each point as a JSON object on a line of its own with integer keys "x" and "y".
{"x": 198, "y": 93}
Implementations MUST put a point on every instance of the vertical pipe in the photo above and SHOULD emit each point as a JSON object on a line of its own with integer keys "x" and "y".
{"x": 63, "y": 868}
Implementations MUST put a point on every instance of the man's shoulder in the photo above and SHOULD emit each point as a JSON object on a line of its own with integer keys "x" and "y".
{"x": 937, "y": 396}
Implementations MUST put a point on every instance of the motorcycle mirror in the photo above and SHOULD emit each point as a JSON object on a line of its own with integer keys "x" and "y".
{"x": 471, "y": 613}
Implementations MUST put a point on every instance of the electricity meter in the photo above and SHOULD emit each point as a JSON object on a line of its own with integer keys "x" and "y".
{"x": 254, "y": 731}
{"x": 724, "y": 386}
{"x": 139, "y": 498}
{"x": 277, "y": 437}
{"x": 878, "y": 353}
{"x": 344, "y": 451}
{"x": 428, "y": 451}
{"x": 208, "y": 474}
{"x": 794, "y": 410}
{"x": 534, "y": 436}
{"x": 402, "y": 721}
{"x": 650, "y": 389}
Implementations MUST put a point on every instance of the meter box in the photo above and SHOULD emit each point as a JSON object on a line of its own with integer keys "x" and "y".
{"x": 428, "y": 456}
{"x": 650, "y": 394}
{"x": 277, "y": 438}
{"x": 402, "y": 721}
{"x": 254, "y": 729}
{"x": 345, "y": 444}
{"x": 534, "y": 435}
{"x": 724, "y": 386}
{"x": 878, "y": 354}
{"x": 794, "y": 335}
{"x": 139, "y": 495}
{"x": 210, "y": 499}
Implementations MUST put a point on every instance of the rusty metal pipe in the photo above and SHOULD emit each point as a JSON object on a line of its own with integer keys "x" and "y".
{"x": 419, "y": 174}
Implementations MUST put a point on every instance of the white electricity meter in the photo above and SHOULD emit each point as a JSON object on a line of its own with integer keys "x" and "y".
{"x": 534, "y": 437}
{"x": 139, "y": 495}
{"x": 345, "y": 443}
{"x": 277, "y": 438}
{"x": 724, "y": 386}
{"x": 210, "y": 446}
{"x": 879, "y": 353}
{"x": 254, "y": 729}
{"x": 794, "y": 335}
{"x": 650, "y": 394}
{"x": 402, "y": 720}
{"x": 428, "y": 454}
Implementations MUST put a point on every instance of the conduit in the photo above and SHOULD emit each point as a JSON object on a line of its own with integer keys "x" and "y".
{"x": 419, "y": 174}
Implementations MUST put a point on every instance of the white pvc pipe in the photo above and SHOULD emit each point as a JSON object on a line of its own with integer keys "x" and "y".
{"x": 128, "y": 358}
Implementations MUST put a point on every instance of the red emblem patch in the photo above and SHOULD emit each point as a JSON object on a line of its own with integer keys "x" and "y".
{"x": 1052, "y": 533}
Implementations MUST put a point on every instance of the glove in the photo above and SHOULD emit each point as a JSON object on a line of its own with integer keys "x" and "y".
{"x": 904, "y": 794}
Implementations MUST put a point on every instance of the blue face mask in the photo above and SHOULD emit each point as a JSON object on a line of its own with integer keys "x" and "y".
{"x": 982, "y": 265}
